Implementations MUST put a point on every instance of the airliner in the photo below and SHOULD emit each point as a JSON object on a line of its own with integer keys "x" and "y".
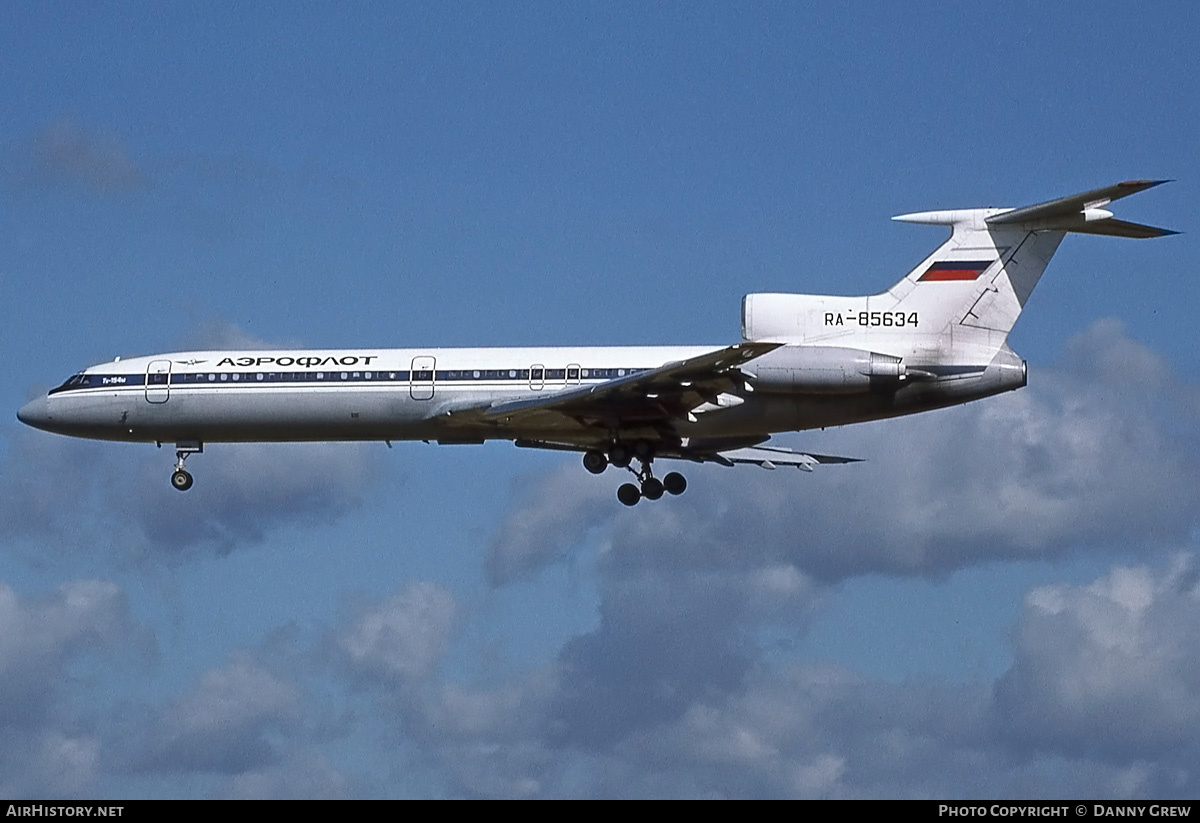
{"x": 935, "y": 339}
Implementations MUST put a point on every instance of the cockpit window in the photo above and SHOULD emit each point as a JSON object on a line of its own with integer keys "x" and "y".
{"x": 80, "y": 379}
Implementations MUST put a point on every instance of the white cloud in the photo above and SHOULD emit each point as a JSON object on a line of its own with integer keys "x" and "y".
{"x": 674, "y": 693}
{"x": 46, "y": 751}
{"x": 303, "y": 775}
{"x": 554, "y": 515}
{"x": 404, "y": 637}
{"x": 225, "y": 724}
{"x": 39, "y": 636}
{"x": 1096, "y": 452}
{"x": 1111, "y": 668}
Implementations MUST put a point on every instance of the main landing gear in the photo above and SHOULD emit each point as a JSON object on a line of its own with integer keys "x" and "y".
{"x": 648, "y": 486}
{"x": 181, "y": 478}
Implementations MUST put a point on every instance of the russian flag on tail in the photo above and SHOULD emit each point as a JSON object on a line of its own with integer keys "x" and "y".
{"x": 948, "y": 270}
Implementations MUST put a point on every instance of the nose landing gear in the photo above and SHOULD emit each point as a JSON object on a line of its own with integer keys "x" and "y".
{"x": 181, "y": 478}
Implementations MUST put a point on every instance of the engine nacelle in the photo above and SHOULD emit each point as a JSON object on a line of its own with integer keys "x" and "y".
{"x": 825, "y": 370}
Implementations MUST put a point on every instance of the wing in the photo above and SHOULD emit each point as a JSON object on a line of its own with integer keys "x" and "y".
{"x": 653, "y": 397}
{"x": 768, "y": 457}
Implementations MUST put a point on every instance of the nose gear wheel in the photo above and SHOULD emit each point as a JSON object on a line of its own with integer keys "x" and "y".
{"x": 181, "y": 478}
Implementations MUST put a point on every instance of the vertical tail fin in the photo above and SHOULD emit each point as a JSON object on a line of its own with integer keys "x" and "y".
{"x": 980, "y": 278}
{"x": 966, "y": 296}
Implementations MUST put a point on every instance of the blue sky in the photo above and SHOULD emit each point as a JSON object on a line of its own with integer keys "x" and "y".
{"x": 1001, "y": 602}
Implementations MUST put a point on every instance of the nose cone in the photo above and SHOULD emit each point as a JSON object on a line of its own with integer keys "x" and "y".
{"x": 36, "y": 413}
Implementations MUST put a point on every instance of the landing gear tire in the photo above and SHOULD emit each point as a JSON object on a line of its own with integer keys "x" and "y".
{"x": 595, "y": 462}
{"x": 643, "y": 449}
{"x": 675, "y": 483}
{"x": 619, "y": 455}
{"x": 180, "y": 478}
{"x": 652, "y": 488}
{"x": 629, "y": 494}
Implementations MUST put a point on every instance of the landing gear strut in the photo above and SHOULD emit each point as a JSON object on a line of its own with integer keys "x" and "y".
{"x": 181, "y": 478}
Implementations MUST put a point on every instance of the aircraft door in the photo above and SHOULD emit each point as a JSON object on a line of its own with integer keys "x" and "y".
{"x": 158, "y": 381}
{"x": 421, "y": 378}
{"x": 537, "y": 377}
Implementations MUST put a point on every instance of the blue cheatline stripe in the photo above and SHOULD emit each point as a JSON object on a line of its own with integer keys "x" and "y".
{"x": 224, "y": 379}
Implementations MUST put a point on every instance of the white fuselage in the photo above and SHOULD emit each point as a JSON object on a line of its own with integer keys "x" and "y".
{"x": 413, "y": 394}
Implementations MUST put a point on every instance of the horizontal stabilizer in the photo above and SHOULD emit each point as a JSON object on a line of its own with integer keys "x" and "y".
{"x": 1083, "y": 213}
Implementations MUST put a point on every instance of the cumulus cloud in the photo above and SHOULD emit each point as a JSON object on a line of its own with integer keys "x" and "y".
{"x": 66, "y": 153}
{"x": 1099, "y": 701}
{"x": 39, "y": 636}
{"x": 223, "y": 725}
{"x": 666, "y": 699}
{"x": 1110, "y": 669}
{"x": 487, "y": 742}
{"x": 1096, "y": 452}
{"x": 537, "y": 532}
{"x": 674, "y": 693}
{"x": 664, "y": 643}
{"x": 48, "y": 751}
{"x": 302, "y": 775}
{"x": 403, "y": 638}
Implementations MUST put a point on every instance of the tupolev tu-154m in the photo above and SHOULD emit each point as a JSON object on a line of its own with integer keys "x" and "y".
{"x": 935, "y": 339}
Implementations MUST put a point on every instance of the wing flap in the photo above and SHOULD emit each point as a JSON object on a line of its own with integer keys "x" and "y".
{"x": 770, "y": 457}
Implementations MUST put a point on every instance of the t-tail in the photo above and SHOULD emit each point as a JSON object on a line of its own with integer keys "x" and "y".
{"x": 960, "y": 303}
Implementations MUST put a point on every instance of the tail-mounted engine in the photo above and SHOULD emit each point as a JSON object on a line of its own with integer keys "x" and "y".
{"x": 827, "y": 370}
